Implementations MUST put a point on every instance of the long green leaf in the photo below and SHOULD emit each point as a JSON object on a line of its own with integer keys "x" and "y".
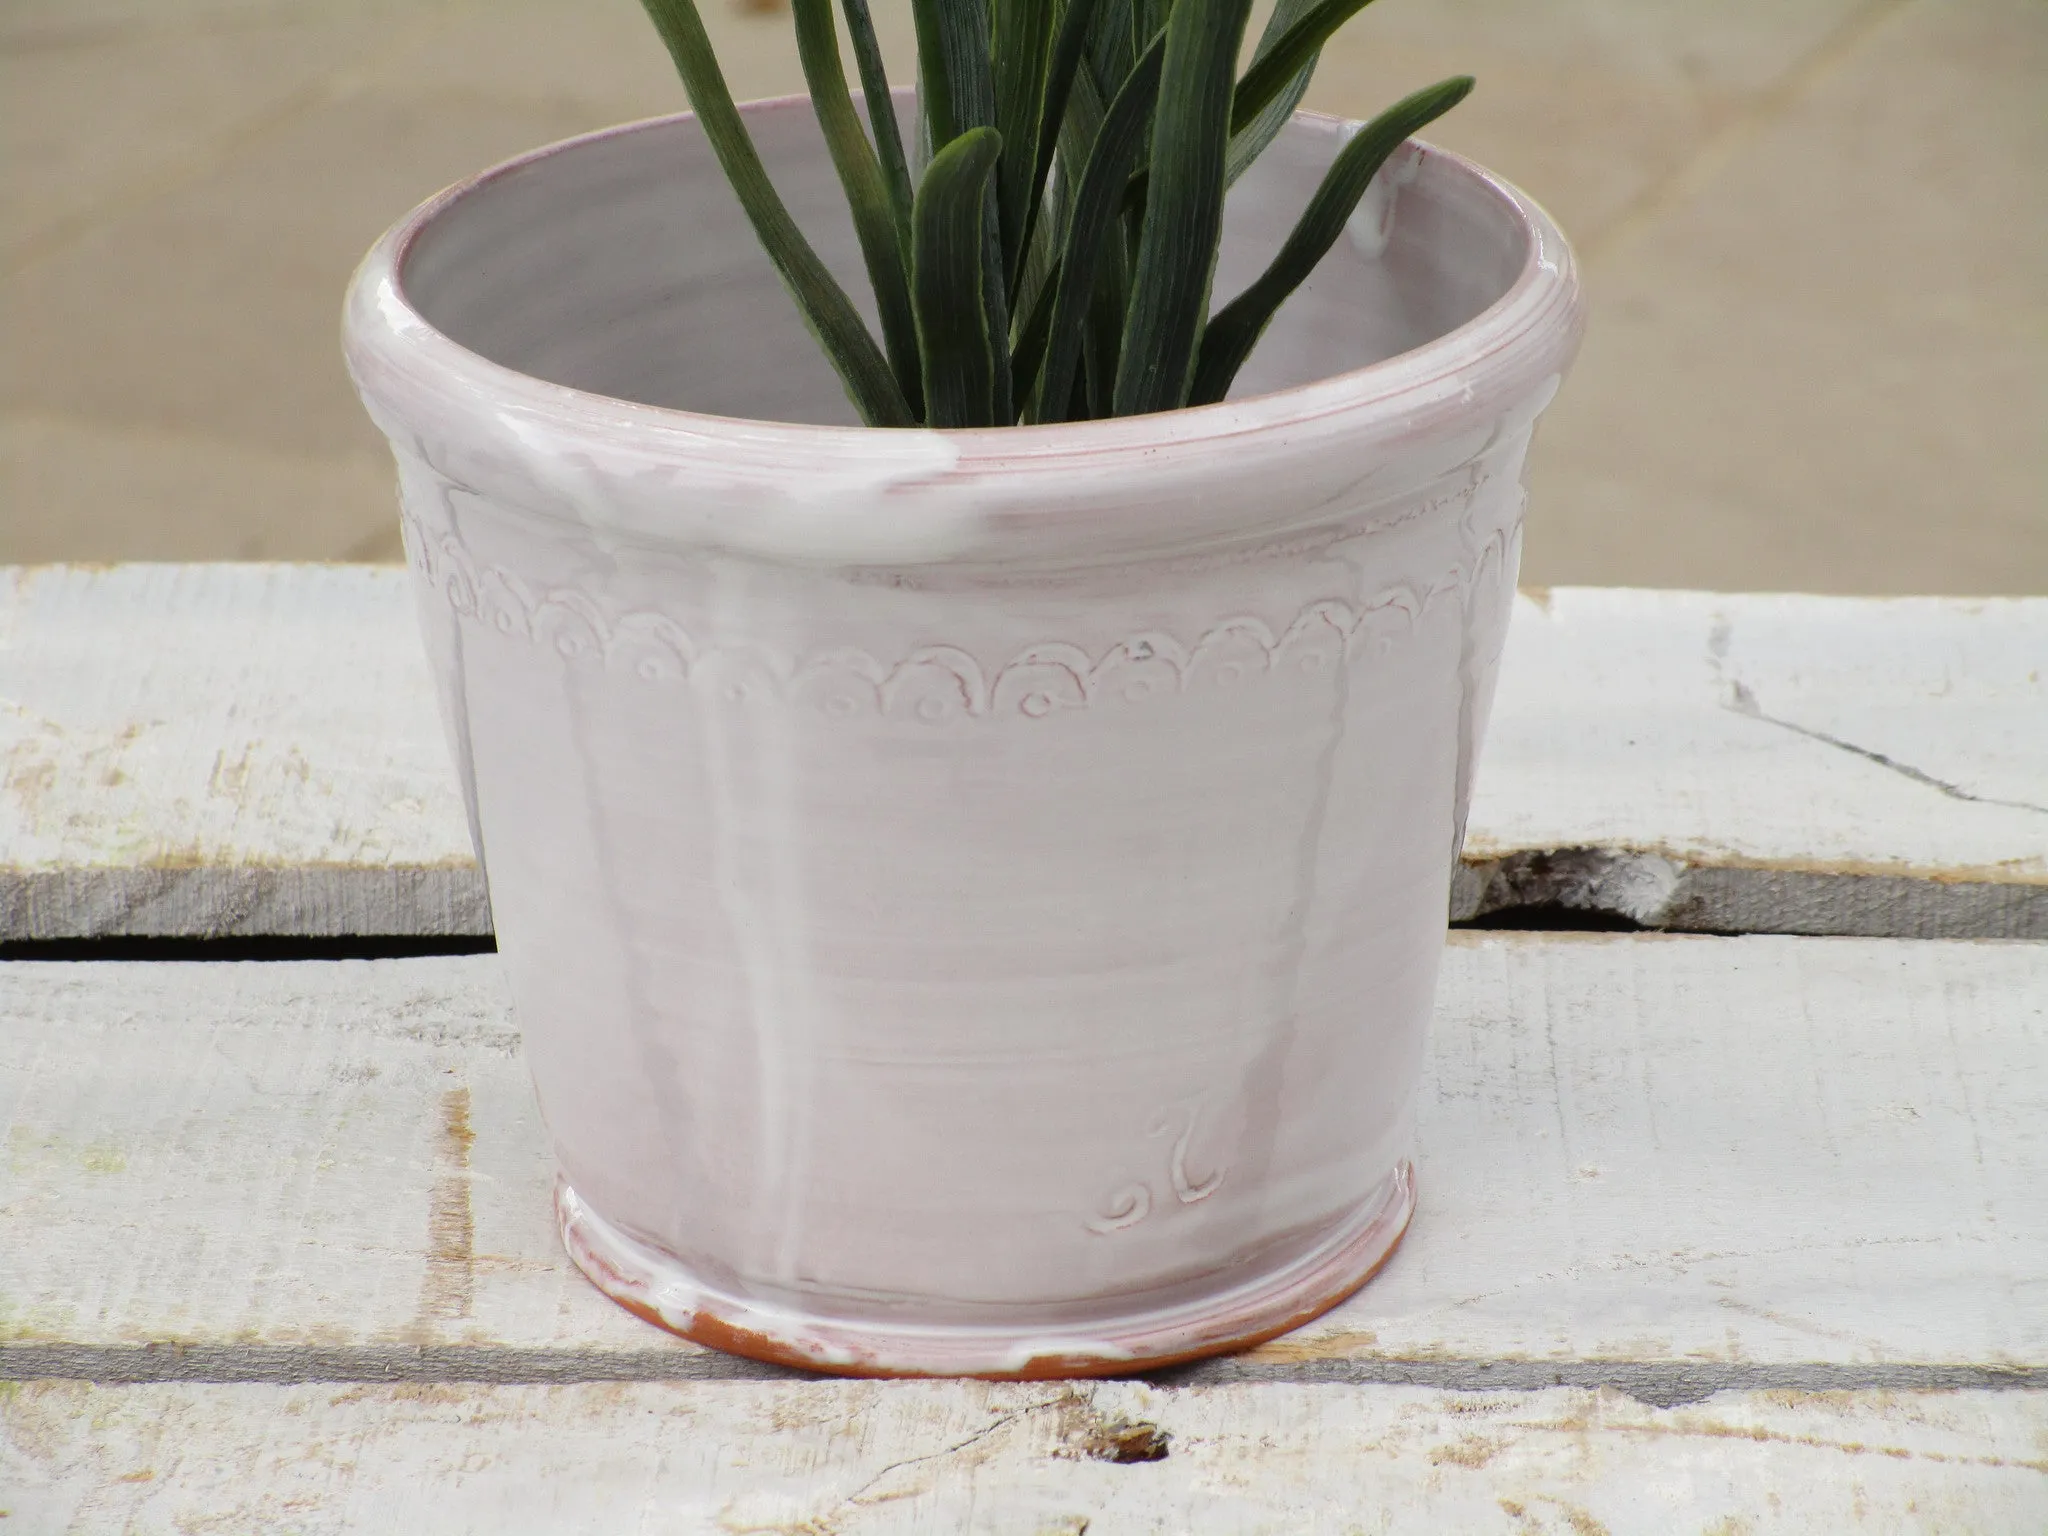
{"x": 1103, "y": 349}
{"x": 1047, "y": 232}
{"x": 1065, "y": 62}
{"x": 1267, "y": 95}
{"x": 1183, "y": 206}
{"x": 1236, "y": 328}
{"x": 1091, "y": 228}
{"x": 956, "y": 93}
{"x": 819, "y": 299}
{"x": 867, "y": 191}
{"x": 995, "y": 304}
{"x": 1027, "y": 351}
{"x": 1092, "y": 392}
{"x": 948, "y": 274}
{"x": 1086, "y": 104}
{"x": 1293, "y": 51}
{"x": 1076, "y": 128}
{"x": 1250, "y": 141}
{"x": 1148, "y": 19}
{"x": 955, "y": 87}
{"x": 1023, "y": 50}
{"x": 874, "y": 86}
{"x": 1110, "y": 53}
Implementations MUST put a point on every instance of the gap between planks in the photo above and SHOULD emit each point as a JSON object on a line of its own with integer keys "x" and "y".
{"x": 1661, "y": 1383}
{"x": 222, "y": 750}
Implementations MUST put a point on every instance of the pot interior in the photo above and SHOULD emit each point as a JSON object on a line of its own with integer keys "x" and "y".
{"x": 621, "y": 264}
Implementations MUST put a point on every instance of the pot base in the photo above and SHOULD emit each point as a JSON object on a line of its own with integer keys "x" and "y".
{"x": 655, "y": 1286}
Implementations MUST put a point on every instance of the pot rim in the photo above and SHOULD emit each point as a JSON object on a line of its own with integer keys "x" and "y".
{"x": 1505, "y": 362}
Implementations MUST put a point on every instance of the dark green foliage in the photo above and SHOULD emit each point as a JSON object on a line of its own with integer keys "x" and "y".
{"x": 1281, "y": 57}
{"x": 1091, "y": 227}
{"x": 867, "y": 190}
{"x": 951, "y": 268}
{"x": 1183, "y": 206}
{"x": 1023, "y": 50}
{"x": 1054, "y": 261}
{"x": 1235, "y": 329}
{"x": 874, "y": 85}
{"x": 955, "y": 75}
{"x": 1247, "y": 142}
{"x": 1068, "y": 58}
{"x": 822, "y": 302}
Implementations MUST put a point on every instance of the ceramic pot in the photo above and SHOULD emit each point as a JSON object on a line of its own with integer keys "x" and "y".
{"x": 971, "y": 899}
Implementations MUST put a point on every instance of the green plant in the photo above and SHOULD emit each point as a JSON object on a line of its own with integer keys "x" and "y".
{"x": 1054, "y": 261}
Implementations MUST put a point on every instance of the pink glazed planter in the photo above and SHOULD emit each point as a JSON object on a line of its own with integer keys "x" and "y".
{"x": 972, "y": 899}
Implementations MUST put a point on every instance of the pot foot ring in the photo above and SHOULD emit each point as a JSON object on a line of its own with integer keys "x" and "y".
{"x": 654, "y": 1286}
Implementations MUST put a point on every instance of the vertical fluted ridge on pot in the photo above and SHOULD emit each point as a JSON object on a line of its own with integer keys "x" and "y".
{"x": 974, "y": 881}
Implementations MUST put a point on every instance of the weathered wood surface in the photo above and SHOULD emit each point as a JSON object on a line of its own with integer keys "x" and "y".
{"x": 1770, "y": 763}
{"x": 223, "y": 749}
{"x": 859, "y": 1459}
{"x": 1672, "y": 1165}
{"x": 210, "y": 750}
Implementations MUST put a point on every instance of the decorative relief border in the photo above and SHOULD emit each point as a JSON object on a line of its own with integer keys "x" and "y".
{"x": 935, "y": 683}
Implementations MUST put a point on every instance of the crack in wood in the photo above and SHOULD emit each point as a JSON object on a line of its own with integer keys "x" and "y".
{"x": 864, "y": 1494}
{"x": 1743, "y": 702}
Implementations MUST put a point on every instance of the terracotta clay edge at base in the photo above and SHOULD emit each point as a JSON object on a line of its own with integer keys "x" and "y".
{"x": 597, "y": 1250}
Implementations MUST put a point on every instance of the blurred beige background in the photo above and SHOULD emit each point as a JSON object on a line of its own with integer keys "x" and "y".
{"x": 1815, "y": 231}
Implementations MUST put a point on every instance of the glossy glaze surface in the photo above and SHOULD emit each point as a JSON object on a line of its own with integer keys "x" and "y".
{"x": 986, "y": 881}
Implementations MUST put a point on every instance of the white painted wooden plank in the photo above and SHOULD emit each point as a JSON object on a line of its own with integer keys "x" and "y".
{"x": 1672, "y": 1164}
{"x": 223, "y": 749}
{"x": 252, "y": 749}
{"x": 903, "y": 1457}
{"x": 1775, "y": 763}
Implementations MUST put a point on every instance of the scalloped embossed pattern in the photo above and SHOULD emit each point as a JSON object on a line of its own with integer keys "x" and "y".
{"x": 936, "y": 683}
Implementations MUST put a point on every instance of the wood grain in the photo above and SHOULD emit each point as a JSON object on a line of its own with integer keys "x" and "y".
{"x": 210, "y": 750}
{"x": 1671, "y": 1165}
{"x": 854, "y": 1458}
